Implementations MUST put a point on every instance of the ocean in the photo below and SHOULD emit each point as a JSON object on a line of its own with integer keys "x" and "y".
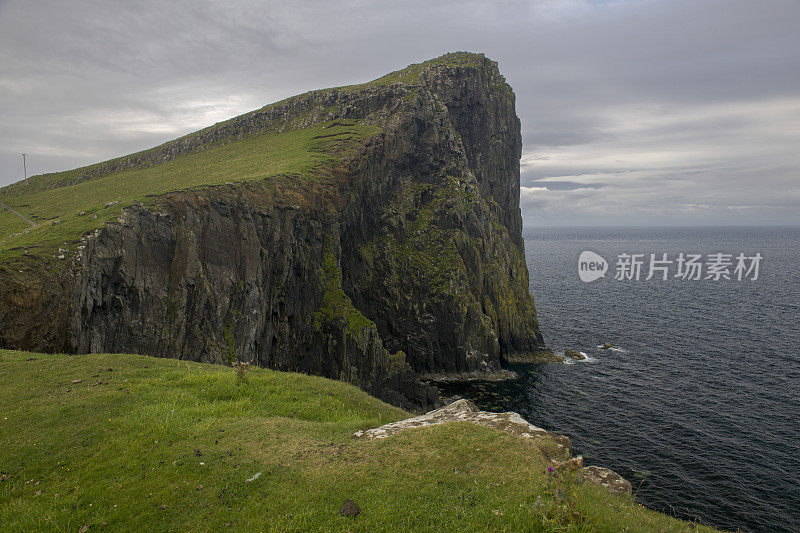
{"x": 697, "y": 404}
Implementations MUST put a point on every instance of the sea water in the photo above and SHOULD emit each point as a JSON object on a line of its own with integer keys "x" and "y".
{"x": 698, "y": 403}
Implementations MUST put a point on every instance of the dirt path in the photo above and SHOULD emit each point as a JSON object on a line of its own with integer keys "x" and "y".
{"x": 20, "y": 215}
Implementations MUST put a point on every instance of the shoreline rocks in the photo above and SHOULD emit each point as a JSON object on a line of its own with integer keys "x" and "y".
{"x": 541, "y": 356}
{"x": 476, "y": 375}
{"x": 608, "y": 479}
{"x": 573, "y": 354}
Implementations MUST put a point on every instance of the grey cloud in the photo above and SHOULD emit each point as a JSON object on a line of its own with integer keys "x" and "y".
{"x": 671, "y": 111}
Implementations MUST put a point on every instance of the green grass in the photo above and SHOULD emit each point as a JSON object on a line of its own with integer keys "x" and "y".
{"x": 263, "y": 156}
{"x": 167, "y": 445}
{"x": 336, "y": 305}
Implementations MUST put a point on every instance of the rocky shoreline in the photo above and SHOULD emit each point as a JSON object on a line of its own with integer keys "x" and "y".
{"x": 541, "y": 356}
{"x": 476, "y": 375}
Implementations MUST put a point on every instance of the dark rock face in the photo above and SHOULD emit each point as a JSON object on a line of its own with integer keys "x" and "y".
{"x": 229, "y": 264}
{"x": 440, "y": 263}
{"x": 408, "y": 258}
{"x": 481, "y": 109}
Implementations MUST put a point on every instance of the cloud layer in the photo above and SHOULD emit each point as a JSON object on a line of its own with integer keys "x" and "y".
{"x": 633, "y": 112}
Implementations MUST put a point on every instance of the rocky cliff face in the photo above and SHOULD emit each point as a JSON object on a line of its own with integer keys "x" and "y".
{"x": 404, "y": 257}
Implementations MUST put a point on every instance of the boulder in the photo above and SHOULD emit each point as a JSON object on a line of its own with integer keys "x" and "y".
{"x": 578, "y": 356}
{"x": 607, "y": 479}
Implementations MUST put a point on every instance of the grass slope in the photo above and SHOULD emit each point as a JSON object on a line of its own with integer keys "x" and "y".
{"x": 131, "y": 443}
{"x": 263, "y": 156}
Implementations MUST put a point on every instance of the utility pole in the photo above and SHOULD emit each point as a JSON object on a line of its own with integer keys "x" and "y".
{"x": 25, "y": 166}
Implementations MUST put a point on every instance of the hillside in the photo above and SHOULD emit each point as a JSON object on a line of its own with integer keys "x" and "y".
{"x": 287, "y": 143}
{"x": 124, "y": 442}
{"x": 368, "y": 233}
{"x": 67, "y": 205}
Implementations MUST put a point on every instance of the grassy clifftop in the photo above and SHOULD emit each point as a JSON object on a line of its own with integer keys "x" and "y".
{"x": 286, "y": 138}
{"x": 125, "y": 442}
{"x": 65, "y": 207}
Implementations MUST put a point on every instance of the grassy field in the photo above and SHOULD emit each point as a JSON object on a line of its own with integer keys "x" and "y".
{"x": 263, "y": 156}
{"x": 131, "y": 443}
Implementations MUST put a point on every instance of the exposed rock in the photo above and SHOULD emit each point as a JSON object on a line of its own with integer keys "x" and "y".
{"x": 606, "y": 478}
{"x": 578, "y": 356}
{"x": 467, "y": 411}
{"x": 477, "y": 375}
{"x": 571, "y": 465}
{"x": 606, "y": 346}
{"x": 540, "y": 356}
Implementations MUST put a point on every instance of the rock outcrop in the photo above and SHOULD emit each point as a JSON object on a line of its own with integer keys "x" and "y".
{"x": 608, "y": 479}
{"x": 513, "y": 423}
{"x": 467, "y": 411}
{"x": 402, "y": 256}
{"x": 574, "y": 354}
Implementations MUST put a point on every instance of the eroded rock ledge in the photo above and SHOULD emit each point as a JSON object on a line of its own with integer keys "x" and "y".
{"x": 467, "y": 411}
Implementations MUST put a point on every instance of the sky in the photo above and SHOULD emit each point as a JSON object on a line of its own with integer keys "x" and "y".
{"x": 634, "y": 112}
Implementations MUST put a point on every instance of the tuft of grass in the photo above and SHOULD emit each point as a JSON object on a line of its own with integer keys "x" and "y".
{"x": 336, "y": 305}
{"x": 127, "y": 442}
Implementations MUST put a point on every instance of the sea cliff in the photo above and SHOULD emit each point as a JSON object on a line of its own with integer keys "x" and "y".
{"x": 398, "y": 253}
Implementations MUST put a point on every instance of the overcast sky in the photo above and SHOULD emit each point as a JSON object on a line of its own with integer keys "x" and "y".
{"x": 634, "y": 112}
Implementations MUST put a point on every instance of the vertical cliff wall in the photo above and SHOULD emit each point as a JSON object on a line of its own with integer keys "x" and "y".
{"x": 404, "y": 256}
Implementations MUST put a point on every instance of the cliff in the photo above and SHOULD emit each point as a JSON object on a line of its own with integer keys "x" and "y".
{"x": 368, "y": 233}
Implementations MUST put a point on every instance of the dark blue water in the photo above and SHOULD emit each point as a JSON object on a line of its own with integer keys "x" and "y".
{"x": 700, "y": 407}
